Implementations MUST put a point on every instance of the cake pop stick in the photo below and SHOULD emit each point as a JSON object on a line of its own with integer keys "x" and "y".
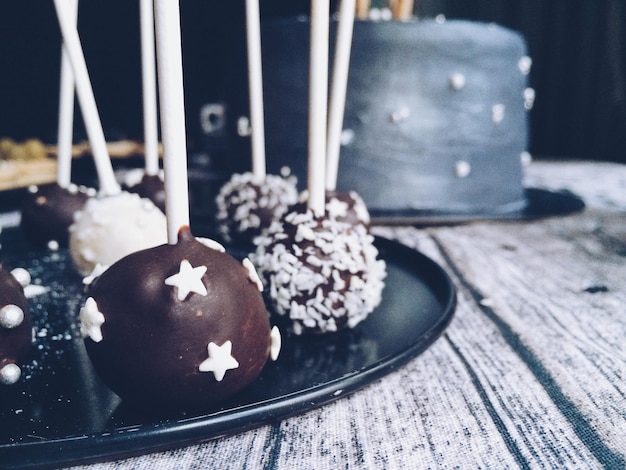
{"x": 148, "y": 70}
{"x": 338, "y": 91}
{"x": 66, "y": 110}
{"x": 255, "y": 84}
{"x": 318, "y": 98}
{"x": 86, "y": 99}
{"x": 170, "y": 73}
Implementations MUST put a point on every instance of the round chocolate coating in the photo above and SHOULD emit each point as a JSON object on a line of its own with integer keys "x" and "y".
{"x": 15, "y": 343}
{"x": 48, "y": 212}
{"x": 353, "y": 209}
{"x": 321, "y": 272}
{"x": 248, "y": 205}
{"x": 152, "y": 343}
{"x": 150, "y": 187}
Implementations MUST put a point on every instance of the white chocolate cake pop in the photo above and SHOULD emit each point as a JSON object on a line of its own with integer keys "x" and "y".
{"x": 247, "y": 204}
{"x": 111, "y": 227}
{"x": 321, "y": 273}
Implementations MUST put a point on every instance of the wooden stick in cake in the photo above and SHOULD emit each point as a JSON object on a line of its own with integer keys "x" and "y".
{"x": 339, "y": 86}
{"x": 318, "y": 99}
{"x": 148, "y": 72}
{"x": 255, "y": 84}
{"x": 170, "y": 73}
{"x": 86, "y": 99}
{"x": 363, "y": 9}
{"x": 66, "y": 111}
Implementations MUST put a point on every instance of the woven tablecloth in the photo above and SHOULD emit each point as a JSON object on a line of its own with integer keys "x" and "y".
{"x": 531, "y": 373}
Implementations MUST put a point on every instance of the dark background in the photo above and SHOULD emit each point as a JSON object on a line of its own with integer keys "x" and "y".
{"x": 577, "y": 46}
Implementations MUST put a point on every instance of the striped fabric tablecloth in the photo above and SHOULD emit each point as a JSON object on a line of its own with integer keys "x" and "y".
{"x": 531, "y": 373}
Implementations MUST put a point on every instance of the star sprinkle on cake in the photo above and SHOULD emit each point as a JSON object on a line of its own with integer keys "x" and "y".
{"x": 252, "y": 274}
{"x": 91, "y": 320}
{"x": 219, "y": 361}
{"x": 188, "y": 279}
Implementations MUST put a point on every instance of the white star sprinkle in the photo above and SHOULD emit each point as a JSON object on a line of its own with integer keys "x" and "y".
{"x": 252, "y": 274}
{"x": 336, "y": 208}
{"x": 91, "y": 320}
{"x": 97, "y": 271}
{"x": 188, "y": 279}
{"x": 219, "y": 361}
{"x": 210, "y": 243}
{"x": 275, "y": 343}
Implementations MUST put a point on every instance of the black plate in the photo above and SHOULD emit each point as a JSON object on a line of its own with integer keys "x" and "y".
{"x": 62, "y": 414}
{"x": 540, "y": 203}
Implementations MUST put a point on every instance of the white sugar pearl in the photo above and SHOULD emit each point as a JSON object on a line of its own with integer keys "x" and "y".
{"x": 10, "y": 374}
{"x": 497, "y": 113}
{"x": 529, "y": 98}
{"x": 524, "y": 64}
{"x": 457, "y": 81}
{"x": 462, "y": 169}
{"x": 11, "y": 316}
{"x": 21, "y": 275}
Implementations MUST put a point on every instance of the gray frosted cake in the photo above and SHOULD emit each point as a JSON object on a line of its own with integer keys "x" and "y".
{"x": 436, "y": 113}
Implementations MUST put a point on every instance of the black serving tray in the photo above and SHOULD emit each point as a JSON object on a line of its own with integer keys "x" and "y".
{"x": 61, "y": 414}
{"x": 540, "y": 203}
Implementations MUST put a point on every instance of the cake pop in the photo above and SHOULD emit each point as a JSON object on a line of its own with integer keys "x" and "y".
{"x": 109, "y": 228}
{"x": 48, "y": 210}
{"x": 148, "y": 182}
{"x": 148, "y": 186}
{"x": 320, "y": 273}
{"x": 116, "y": 222}
{"x": 250, "y": 202}
{"x": 15, "y": 327}
{"x": 247, "y": 205}
{"x": 182, "y": 324}
{"x": 319, "y": 262}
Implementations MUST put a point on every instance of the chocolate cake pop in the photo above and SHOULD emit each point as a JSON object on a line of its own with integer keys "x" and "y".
{"x": 321, "y": 273}
{"x": 149, "y": 186}
{"x": 108, "y": 228}
{"x": 321, "y": 268}
{"x": 346, "y": 207}
{"x": 48, "y": 211}
{"x": 247, "y": 205}
{"x": 181, "y": 325}
{"x": 116, "y": 222}
{"x": 250, "y": 202}
{"x": 15, "y": 326}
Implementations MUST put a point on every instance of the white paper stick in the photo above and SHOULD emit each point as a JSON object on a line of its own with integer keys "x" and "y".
{"x": 255, "y": 84}
{"x": 339, "y": 85}
{"x": 106, "y": 177}
{"x": 171, "y": 94}
{"x": 148, "y": 71}
{"x": 66, "y": 111}
{"x": 318, "y": 99}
